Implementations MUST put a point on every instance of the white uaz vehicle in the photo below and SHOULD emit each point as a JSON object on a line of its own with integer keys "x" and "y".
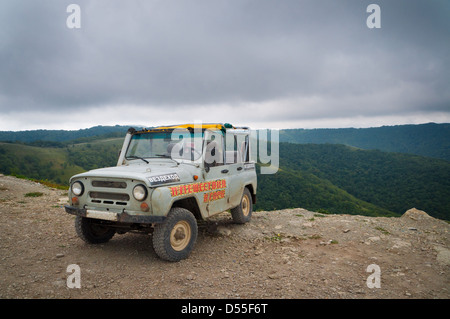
{"x": 165, "y": 180}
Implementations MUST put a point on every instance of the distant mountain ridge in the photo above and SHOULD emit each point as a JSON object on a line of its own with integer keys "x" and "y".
{"x": 30, "y": 136}
{"x": 431, "y": 139}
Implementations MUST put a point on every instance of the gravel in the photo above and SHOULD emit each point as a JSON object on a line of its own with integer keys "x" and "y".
{"x": 292, "y": 253}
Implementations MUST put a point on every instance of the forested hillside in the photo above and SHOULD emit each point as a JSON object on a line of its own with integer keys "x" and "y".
{"x": 35, "y": 162}
{"x": 59, "y": 162}
{"x": 321, "y": 177}
{"x": 295, "y": 188}
{"x": 62, "y": 135}
{"x": 430, "y": 139}
{"x": 391, "y": 181}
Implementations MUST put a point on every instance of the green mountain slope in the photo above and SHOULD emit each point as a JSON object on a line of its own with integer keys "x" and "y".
{"x": 37, "y": 162}
{"x": 291, "y": 189}
{"x": 430, "y": 139}
{"x": 320, "y": 177}
{"x": 58, "y": 164}
{"x": 95, "y": 153}
{"x": 392, "y": 181}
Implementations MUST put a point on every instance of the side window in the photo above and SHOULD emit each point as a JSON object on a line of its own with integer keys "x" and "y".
{"x": 214, "y": 150}
{"x": 231, "y": 155}
{"x": 245, "y": 150}
{"x": 237, "y": 150}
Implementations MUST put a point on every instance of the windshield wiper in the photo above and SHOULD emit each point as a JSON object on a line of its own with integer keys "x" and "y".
{"x": 133, "y": 156}
{"x": 178, "y": 163}
{"x": 167, "y": 156}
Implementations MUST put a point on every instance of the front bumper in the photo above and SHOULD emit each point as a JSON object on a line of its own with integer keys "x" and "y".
{"x": 121, "y": 217}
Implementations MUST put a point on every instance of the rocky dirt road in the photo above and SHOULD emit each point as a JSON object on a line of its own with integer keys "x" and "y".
{"x": 281, "y": 254}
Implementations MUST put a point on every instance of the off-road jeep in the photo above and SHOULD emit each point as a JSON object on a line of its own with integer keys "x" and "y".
{"x": 165, "y": 180}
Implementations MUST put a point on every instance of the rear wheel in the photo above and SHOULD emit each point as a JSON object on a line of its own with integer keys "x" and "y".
{"x": 91, "y": 231}
{"x": 174, "y": 239}
{"x": 243, "y": 213}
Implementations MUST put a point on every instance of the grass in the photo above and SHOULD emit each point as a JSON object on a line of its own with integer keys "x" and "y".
{"x": 275, "y": 238}
{"x": 381, "y": 229}
{"x": 34, "y": 194}
{"x": 51, "y": 184}
{"x": 45, "y": 182}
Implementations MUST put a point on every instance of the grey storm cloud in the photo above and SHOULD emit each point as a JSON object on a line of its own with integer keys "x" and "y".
{"x": 318, "y": 58}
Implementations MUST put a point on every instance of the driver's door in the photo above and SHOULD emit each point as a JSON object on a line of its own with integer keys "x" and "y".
{"x": 216, "y": 192}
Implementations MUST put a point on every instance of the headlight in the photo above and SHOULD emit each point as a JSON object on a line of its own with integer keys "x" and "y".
{"x": 139, "y": 192}
{"x": 77, "y": 188}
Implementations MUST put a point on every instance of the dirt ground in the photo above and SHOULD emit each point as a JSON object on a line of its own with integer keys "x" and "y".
{"x": 292, "y": 254}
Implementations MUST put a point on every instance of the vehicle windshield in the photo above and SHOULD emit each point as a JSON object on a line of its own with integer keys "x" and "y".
{"x": 183, "y": 146}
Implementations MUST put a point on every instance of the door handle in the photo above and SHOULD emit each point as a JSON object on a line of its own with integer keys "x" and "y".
{"x": 224, "y": 171}
{"x": 239, "y": 168}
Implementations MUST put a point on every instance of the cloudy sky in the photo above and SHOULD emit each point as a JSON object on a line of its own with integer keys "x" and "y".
{"x": 263, "y": 63}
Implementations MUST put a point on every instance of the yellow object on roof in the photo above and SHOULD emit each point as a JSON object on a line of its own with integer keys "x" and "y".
{"x": 198, "y": 126}
{"x": 210, "y": 126}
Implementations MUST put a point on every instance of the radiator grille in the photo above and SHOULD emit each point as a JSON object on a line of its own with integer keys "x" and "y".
{"x": 109, "y": 184}
{"x": 110, "y": 196}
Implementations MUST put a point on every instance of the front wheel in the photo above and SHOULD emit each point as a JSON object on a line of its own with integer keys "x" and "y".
{"x": 243, "y": 213}
{"x": 91, "y": 231}
{"x": 174, "y": 239}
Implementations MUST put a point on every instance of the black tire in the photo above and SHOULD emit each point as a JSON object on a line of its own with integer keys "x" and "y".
{"x": 243, "y": 213}
{"x": 91, "y": 231}
{"x": 174, "y": 239}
